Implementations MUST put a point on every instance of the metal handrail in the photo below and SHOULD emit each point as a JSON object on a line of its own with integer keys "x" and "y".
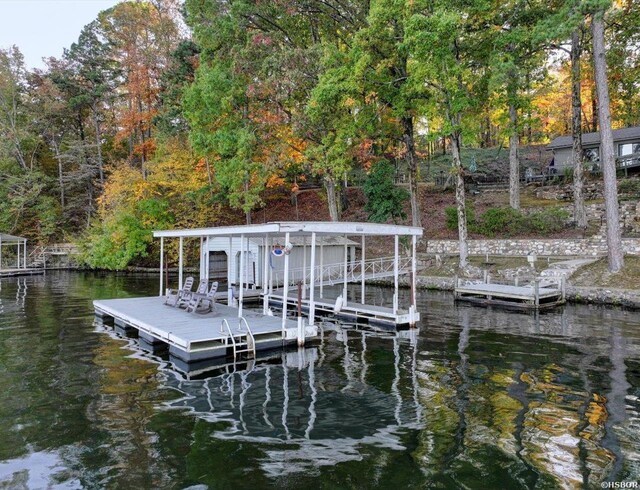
{"x": 251, "y": 341}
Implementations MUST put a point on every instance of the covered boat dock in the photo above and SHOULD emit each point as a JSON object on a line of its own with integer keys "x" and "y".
{"x": 13, "y": 256}
{"x": 298, "y": 293}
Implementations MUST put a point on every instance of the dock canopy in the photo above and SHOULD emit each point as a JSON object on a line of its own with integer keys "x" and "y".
{"x": 297, "y": 228}
{"x": 281, "y": 255}
{"x": 18, "y": 260}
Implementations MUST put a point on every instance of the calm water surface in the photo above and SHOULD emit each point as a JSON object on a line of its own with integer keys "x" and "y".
{"x": 476, "y": 398}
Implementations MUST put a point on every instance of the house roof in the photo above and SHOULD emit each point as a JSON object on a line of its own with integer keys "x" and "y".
{"x": 593, "y": 139}
{"x": 297, "y": 228}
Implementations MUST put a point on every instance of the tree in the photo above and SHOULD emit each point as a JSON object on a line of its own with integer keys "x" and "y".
{"x": 384, "y": 199}
{"x": 579, "y": 213}
{"x": 385, "y": 73}
{"x": 452, "y": 58}
{"x": 607, "y": 156}
{"x": 13, "y": 111}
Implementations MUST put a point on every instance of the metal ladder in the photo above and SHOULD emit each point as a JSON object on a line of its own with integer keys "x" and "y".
{"x": 242, "y": 342}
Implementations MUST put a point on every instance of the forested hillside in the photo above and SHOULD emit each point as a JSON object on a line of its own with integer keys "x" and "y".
{"x": 169, "y": 114}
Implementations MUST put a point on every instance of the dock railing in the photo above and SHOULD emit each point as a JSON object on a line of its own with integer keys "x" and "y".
{"x": 377, "y": 268}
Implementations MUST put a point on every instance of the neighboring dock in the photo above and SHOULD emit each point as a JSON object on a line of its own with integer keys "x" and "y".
{"x": 20, "y": 272}
{"x": 534, "y": 296}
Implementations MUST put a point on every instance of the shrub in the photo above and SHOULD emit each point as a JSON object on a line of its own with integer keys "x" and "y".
{"x": 549, "y": 220}
{"x": 501, "y": 221}
{"x": 629, "y": 186}
{"x": 451, "y": 216}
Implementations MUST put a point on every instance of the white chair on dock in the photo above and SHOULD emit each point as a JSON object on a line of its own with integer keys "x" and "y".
{"x": 199, "y": 300}
{"x": 175, "y": 295}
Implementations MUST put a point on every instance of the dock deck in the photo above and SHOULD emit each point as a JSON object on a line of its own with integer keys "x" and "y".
{"x": 194, "y": 336}
{"x": 20, "y": 272}
{"x": 520, "y": 297}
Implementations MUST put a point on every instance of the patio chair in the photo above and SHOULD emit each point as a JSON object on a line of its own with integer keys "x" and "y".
{"x": 183, "y": 302}
{"x": 207, "y": 300}
{"x": 174, "y": 295}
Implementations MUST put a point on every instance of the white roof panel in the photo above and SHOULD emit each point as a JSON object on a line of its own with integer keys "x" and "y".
{"x": 300, "y": 228}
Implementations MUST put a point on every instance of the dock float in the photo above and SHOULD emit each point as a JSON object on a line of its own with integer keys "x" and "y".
{"x": 194, "y": 336}
{"x": 530, "y": 297}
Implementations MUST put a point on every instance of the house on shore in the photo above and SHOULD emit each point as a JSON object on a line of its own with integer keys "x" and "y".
{"x": 626, "y": 146}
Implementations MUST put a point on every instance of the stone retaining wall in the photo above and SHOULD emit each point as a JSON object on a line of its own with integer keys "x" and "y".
{"x": 586, "y": 247}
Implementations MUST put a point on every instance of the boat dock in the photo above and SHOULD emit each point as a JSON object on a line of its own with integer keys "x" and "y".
{"x": 20, "y": 272}
{"x": 194, "y": 336}
{"x": 535, "y": 296}
{"x": 266, "y": 262}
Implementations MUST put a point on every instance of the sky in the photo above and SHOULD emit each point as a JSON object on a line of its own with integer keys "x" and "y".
{"x": 43, "y": 28}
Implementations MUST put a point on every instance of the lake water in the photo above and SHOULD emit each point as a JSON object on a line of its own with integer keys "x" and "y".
{"x": 476, "y": 398}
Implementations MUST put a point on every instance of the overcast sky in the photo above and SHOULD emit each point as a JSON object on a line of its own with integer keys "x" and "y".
{"x": 42, "y": 28}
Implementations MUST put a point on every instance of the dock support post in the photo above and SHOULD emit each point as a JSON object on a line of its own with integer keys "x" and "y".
{"x": 414, "y": 271}
{"x": 0, "y": 253}
{"x": 300, "y": 325}
{"x": 285, "y": 292}
{"x": 18, "y": 257}
{"x": 161, "y": 266}
{"x": 536, "y": 292}
{"x": 24, "y": 254}
{"x": 344, "y": 279}
{"x": 270, "y": 269}
{"x": 180, "y": 264}
{"x": 304, "y": 267}
{"x": 206, "y": 259}
{"x": 229, "y": 265}
{"x": 362, "y": 260}
{"x": 201, "y": 261}
{"x": 395, "y": 273}
{"x": 563, "y": 287}
{"x": 321, "y": 270}
{"x": 312, "y": 281}
{"x": 265, "y": 274}
{"x": 241, "y": 273}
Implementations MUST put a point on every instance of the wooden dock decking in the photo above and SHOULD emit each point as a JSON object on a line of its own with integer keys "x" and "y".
{"x": 193, "y": 336}
{"x": 20, "y": 272}
{"x": 532, "y": 296}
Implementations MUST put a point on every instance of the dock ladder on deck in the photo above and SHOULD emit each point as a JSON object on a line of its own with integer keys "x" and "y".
{"x": 242, "y": 341}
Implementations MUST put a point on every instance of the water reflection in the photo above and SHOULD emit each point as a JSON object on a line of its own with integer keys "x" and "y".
{"x": 474, "y": 398}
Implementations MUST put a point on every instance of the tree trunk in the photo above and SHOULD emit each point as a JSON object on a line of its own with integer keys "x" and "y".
{"x": 96, "y": 126}
{"x": 594, "y": 111}
{"x": 332, "y": 198}
{"x": 460, "y": 198}
{"x": 514, "y": 164}
{"x": 410, "y": 158}
{"x": 607, "y": 157}
{"x": 247, "y": 212}
{"x": 579, "y": 213}
{"x": 56, "y": 149}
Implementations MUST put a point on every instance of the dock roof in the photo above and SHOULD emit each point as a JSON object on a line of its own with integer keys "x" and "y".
{"x": 297, "y": 228}
{"x": 6, "y": 238}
